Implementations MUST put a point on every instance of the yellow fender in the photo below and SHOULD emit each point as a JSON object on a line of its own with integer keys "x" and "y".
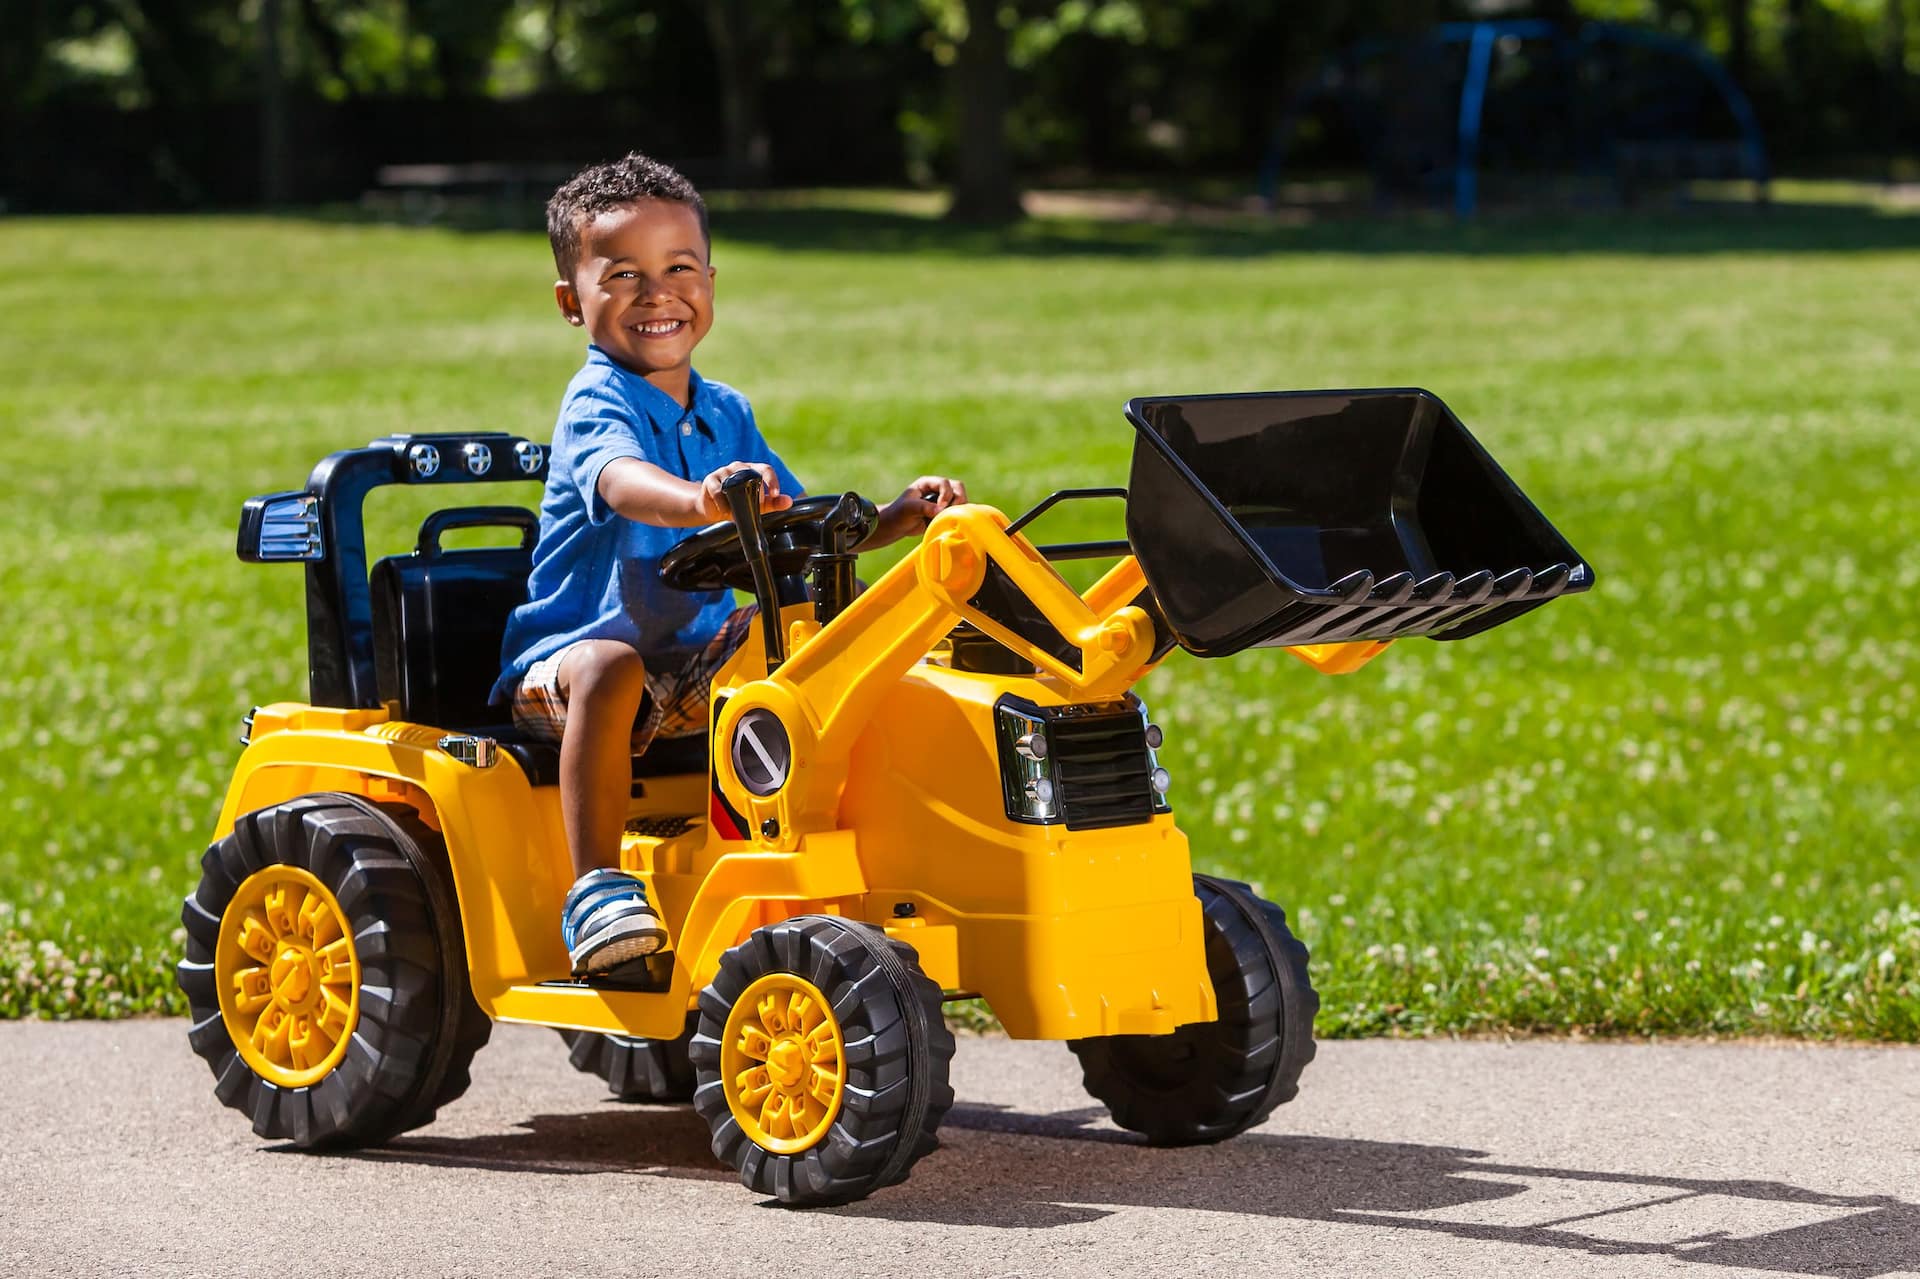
{"x": 509, "y": 870}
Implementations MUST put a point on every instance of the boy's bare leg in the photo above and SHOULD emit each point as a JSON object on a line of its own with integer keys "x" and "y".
{"x": 603, "y": 682}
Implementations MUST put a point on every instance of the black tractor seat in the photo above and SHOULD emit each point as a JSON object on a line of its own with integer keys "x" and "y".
{"x": 438, "y": 620}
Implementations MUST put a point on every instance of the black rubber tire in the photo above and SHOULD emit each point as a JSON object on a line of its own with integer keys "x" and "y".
{"x": 418, "y": 1026}
{"x": 656, "y": 1070}
{"x": 1210, "y": 1080}
{"x": 898, "y": 1051}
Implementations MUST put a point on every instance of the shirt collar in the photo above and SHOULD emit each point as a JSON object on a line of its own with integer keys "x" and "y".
{"x": 662, "y": 410}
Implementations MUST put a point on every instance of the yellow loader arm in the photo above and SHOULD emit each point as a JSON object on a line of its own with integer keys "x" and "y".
{"x": 825, "y": 692}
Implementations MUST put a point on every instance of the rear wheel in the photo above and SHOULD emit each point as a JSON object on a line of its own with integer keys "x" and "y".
{"x": 655, "y": 1070}
{"x": 326, "y": 972}
{"x": 1210, "y": 1080}
{"x": 821, "y": 1060}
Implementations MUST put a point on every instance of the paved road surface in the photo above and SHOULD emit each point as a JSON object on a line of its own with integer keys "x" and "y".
{"x": 1402, "y": 1159}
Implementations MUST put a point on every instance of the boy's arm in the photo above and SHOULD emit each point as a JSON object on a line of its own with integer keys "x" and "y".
{"x": 647, "y": 494}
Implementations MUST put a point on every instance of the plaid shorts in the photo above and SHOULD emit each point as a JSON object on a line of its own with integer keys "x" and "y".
{"x": 675, "y": 704}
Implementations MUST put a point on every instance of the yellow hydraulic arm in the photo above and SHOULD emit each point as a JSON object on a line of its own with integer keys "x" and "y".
{"x": 824, "y": 693}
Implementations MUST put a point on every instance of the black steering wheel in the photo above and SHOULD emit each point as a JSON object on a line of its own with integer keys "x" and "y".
{"x": 714, "y": 557}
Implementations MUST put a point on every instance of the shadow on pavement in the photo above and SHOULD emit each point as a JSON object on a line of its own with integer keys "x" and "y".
{"x": 1003, "y": 1169}
{"x": 1376, "y": 1184}
{"x": 620, "y": 1137}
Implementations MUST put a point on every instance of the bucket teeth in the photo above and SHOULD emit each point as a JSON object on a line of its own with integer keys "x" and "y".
{"x": 1512, "y": 584}
{"x": 1473, "y": 588}
{"x": 1392, "y": 590}
{"x": 1354, "y": 586}
{"x": 1551, "y": 578}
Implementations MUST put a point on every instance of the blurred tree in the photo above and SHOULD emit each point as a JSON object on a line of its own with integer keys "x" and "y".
{"x": 1896, "y": 114}
{"x": 328, "y": 45}
{"x": 743, "y": 32}
{"x": 187, "y": 52}
{"x": 983, "y": 186}
{"x": 593, "y": 45}
{"x": 981, "y": 43}
{"x": 276, "y": 159}
{"x": 464, "y": 35}
{"x": 983, "y": 89}
{"x": 349, "y": 48}
{"x": 1739, "y": 15}
{"x": 1793, "y": 45}
{"x": 31, "y": 26}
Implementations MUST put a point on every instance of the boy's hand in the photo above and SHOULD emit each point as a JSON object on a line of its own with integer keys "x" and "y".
{"x": 913, "y": 510}
{"x": 714, "y": 506}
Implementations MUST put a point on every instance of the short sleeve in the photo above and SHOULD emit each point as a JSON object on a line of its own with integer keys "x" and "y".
{"x": 595, "y": 433}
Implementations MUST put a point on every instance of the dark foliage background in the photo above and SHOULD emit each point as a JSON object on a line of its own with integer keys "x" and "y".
{"x": 132, "y": 104}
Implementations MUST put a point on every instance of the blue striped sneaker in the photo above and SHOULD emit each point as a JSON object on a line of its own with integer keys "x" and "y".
{"x": 606, "y": 922}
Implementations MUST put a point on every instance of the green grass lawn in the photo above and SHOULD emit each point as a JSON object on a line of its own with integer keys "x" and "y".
{"x": 1683, "y": 803}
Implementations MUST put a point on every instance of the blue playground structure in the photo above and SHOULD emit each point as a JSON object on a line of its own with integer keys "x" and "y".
{"x": 1600, "y": 100}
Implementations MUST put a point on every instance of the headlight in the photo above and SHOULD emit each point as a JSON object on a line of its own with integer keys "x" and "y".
{"x": 1025, "y": 775}
{"x": 1157, "y": 777}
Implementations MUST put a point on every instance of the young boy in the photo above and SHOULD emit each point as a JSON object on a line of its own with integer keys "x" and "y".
{"x": 639, "y": 452}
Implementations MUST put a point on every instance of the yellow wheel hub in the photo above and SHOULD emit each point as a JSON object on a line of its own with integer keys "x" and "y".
{"x": 288, "y": 977}
{"x": 783, "y": 1063}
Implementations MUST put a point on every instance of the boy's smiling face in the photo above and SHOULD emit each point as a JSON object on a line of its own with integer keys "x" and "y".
{"x": 643, "y": 289}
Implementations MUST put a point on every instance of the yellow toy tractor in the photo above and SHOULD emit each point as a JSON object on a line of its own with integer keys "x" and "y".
{"x": 937, "y": 787}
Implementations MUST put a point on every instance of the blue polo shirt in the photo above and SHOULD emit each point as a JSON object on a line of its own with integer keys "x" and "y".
{"x": 596, "y": 574}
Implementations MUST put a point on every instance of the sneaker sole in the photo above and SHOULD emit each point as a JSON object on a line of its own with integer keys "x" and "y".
{"x": 619, "y": 950}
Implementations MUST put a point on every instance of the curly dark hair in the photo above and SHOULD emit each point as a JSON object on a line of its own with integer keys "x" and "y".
{"x": 594, "y": 190}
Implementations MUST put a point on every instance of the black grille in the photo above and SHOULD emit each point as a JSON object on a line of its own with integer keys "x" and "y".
{"x": 1100, "y": 765}
{"x": 660, "y": 826}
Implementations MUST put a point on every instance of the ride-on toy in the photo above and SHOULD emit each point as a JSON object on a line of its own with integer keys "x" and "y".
{"x": 934, "y": 788}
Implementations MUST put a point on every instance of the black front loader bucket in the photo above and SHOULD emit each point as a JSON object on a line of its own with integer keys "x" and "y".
{"x": 1318, "y": 517}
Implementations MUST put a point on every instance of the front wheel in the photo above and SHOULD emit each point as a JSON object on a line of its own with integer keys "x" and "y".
{"x": 1209, "y": 1080}
{"x": 820, "y": 1061}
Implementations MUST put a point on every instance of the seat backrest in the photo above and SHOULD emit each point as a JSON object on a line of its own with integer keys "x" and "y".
{"x": 439, "y": 615}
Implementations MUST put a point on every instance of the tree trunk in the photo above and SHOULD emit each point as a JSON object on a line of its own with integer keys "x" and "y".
{"x": 321, "y": 34}
{"x": 1895, "y": 116}
{"x": 275, "y": 167}
{"x": 550, "y": 77}
{"x": 163, "y": 51}
{"x": 22, "y": 56}
{"x": 1740, "y": 40}
{"x": 983, "y": 189}
{"x": 1795, "y": 41}
{"x": 740, "y": 53}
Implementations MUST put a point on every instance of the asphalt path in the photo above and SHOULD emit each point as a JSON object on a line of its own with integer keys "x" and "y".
{"x": 1398, "y": 1158}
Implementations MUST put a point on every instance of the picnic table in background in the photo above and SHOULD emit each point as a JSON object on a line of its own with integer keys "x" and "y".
{"x": 425, "y": 192}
